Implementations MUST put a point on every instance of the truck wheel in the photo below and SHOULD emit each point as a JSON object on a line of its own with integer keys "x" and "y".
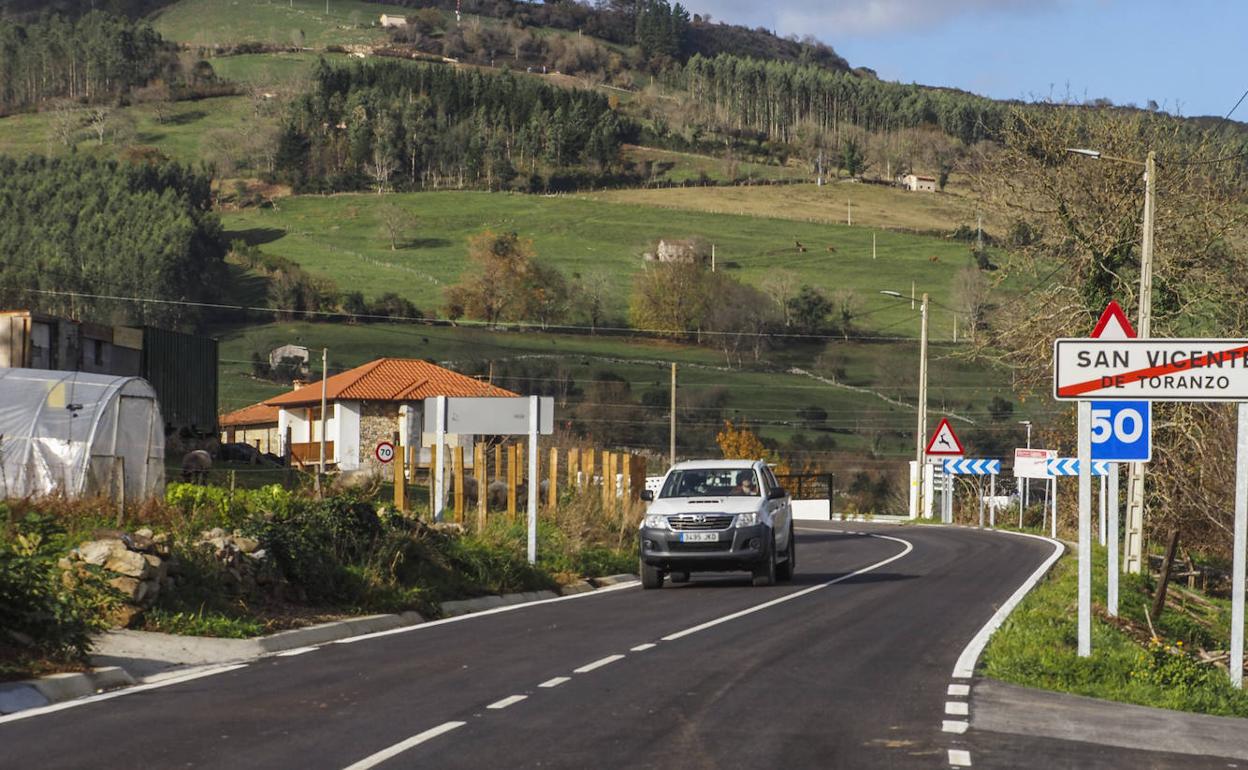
{"x": 765, "y": 571}
{"x": 651, "y": 577}
{"x": 785, "y": 570}
{"x": 679, "y": 577}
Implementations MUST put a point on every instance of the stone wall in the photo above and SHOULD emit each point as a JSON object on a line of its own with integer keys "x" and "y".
{"x": 378, "y": 422}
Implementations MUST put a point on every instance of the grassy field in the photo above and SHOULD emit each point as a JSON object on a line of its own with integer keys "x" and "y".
{"x": 861, "y": 414}
{"x": 1036, "y": 646}
{"x": 226, "y": 22}
{"x": 870, "y": 205}
{"x": 184, "y": 136}
{"x": 340, "y": 237}
{"x": 263, "y": 70}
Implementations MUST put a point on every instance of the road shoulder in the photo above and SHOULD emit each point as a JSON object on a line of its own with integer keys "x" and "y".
{"x": 1008, "y": 708}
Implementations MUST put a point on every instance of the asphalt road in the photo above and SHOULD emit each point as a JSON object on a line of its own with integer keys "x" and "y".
{"x": 833, "y": 670}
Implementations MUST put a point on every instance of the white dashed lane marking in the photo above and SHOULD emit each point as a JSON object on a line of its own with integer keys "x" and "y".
{"x": 585, "y": 669}
{"x": 555, "y": 682}
{"x": 959, "y": 758}
{"x": 960, "y": 690}
{"x": 643, "y": 647}
{"x": 956, "y": 708}
{"x": 373, "y": 760}
{"x": 505, "y": 702}
{"x": 955, "y": 726}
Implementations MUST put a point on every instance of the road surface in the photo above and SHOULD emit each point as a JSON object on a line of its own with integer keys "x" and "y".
{"x": 847, "y": 666}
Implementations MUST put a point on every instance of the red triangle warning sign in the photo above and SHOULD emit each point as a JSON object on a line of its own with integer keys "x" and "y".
{"x": 1113, "y": 324}
{"x": 944, "y": 441}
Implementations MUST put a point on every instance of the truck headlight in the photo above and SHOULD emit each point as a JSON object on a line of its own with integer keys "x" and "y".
{"x": 656, "y": 521}
{"x": 747, "y": 519}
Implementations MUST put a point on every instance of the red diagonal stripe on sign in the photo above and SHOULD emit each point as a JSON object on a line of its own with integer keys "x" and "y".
{"x": 1081, "y": 388}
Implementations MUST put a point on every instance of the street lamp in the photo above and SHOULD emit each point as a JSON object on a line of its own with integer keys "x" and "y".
{"x": 1135, "y": 484}
{"x": 921, "y": 431}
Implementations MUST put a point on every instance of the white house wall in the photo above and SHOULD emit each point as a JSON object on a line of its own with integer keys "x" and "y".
{"x": 345, "y": 430}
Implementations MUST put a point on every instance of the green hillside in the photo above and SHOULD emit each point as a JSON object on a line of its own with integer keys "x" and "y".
{"x": 341, "y": 238}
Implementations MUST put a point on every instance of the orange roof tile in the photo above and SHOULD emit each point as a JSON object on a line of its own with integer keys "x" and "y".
{"x": 391, "y": 379}
{"x": 256, "y": 414}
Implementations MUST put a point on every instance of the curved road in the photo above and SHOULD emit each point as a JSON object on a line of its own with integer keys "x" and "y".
{"x": 847, "y": 666}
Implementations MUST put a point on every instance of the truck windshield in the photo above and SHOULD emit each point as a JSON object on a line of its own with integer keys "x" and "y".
{"x": 711, "y": 482}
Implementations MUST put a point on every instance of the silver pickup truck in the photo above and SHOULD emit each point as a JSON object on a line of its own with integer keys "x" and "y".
{"x": 717, "y": 515}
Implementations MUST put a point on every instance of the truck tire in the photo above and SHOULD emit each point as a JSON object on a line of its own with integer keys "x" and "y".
{"x": 651, "y": 577}
{"x": 785, "y": 570}
{"x": 765, "y": 571}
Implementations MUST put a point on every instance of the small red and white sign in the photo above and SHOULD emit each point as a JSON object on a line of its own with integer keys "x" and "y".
{"x": 384, "y": 451}
{"x": 1032, "y": 463}
{"x": 1113, "y": 324}
{"x": 945, "y": 442}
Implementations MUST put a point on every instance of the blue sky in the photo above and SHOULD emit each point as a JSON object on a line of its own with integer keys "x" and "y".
{"x": 1187, "y": 55}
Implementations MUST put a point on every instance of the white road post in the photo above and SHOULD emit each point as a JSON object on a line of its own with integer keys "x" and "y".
{"x": 979, "y": 491}
{"x": 1111, "y": 601}
{"x": 1236, "y": 661}
{"x": 1100, "y": 522}
{"x": 1085, "y": 529}
{"x": 534, "y": 426}
{"x": 1053, "y": 524}
{"x": 439, "y": 464}
{"x": 992, "y": 495}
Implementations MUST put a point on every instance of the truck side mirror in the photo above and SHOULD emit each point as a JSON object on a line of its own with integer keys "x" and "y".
{"x": 646, "y": 495}
{"x": 777, "y": 493}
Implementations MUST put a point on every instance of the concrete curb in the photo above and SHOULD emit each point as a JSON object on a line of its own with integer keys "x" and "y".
{"x": 181, "y": 652}
{"x": 54, "y": 688}
{"x": 611, "y": 580}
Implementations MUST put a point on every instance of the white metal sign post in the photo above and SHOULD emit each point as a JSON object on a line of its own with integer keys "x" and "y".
{"x": 1085, "y": 529}
{"x": 1111, "y": 599}
{"x": 491, "y": 416}
{"x": 1236, "y": 660}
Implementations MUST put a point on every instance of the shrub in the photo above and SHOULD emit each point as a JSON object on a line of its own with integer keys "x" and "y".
{"x": 38, "y": 612}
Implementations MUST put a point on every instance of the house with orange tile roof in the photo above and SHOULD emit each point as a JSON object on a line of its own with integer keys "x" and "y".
{"x": 255, "y": 425}
{"x": 363, "y": 406}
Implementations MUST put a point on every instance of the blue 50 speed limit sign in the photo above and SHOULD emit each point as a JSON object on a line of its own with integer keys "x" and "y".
{"x": 1122, "y": 431}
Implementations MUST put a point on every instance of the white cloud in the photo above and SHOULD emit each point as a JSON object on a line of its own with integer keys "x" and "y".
{"x": 832, "y": 19}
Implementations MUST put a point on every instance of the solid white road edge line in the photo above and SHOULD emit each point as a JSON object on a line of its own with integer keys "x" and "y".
{"x": 585, "y": 669}
{"x": 965, "y": 667}
{"x": 643, "y": 647}
{"x": 292, "y": 653}
{"x": 376, "y": 759}
{"x": 789, "y": 597}
{"x": 483, "y": 613}
{"x": 956, "y": 708}
{"x": 959, "y": 758}
{"x": 556, "y": 681}
{"x": 955, "y": 726}
{"x": 505, "y": 702}
{"x": 118, "y": 693}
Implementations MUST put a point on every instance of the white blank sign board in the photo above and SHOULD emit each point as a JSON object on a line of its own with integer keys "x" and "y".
{"x": 490, "y": 416}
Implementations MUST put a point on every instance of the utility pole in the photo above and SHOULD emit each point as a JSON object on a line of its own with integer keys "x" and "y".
{"x": 1134, "y": 560}
{"x": 921, "y": 433}
{"x": 320, "y": 468}
{"x": 873, "y": 245}
{"x": 673, "y": 431}
{"x": 849, "y": 213}
{"x": 712, "y": 257}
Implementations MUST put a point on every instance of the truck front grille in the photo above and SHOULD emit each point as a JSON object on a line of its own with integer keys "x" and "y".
{"x": 696, "y": 522}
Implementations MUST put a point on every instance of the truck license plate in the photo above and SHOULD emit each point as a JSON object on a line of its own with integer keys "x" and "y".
{"x": 699, "y": 537}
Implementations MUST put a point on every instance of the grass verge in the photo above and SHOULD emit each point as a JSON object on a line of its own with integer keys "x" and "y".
{"x": 1037, "y": 645}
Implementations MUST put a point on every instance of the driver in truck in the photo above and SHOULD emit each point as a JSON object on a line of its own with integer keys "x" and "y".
{"x": 745, "y": 484}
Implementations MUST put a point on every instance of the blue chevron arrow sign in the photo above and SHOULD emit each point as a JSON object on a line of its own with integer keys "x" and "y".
{"x": 1069, "y": 466}
{"x": 971, "y": 467}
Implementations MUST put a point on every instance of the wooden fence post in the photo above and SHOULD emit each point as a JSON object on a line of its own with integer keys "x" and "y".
{"x": 498, "y": 462}
{"x": 606, "y": 486}
{"x": 511, "y": 482}
{"x": 400, "y": 485}
{"x": 587, "y": 459}
{"x": 626, "y": 480}
{"x": 458, "y": 473}
{"x": 552, "y": 494}
{"x": 480, "y": 470}
{"x": 433, "y": 469}
{"x": 574, "y": 455}
{"x": 287, "y": 454}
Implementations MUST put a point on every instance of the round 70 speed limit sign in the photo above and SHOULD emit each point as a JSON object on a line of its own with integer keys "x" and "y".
{"x": 384, "y": 451}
